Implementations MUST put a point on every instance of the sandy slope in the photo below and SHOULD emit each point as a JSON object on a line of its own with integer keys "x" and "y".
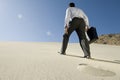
{"x": 40, "y": 61}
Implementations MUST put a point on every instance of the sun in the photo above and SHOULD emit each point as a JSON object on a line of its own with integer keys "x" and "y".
{"x": 20, "y": 16}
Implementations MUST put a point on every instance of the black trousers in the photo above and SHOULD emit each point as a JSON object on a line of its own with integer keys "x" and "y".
{"x": 78, "y": 25}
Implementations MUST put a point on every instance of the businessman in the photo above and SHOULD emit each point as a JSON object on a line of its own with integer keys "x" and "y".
{"x": 76, "y": 20}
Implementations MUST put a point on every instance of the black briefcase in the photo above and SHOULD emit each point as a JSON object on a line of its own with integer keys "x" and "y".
{"x": 92, "y": 34}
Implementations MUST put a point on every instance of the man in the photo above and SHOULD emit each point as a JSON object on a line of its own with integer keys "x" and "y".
{"x": 76, "y": 20}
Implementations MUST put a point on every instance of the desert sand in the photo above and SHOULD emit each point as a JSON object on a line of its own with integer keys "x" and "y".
{"x": 41, "y": 61}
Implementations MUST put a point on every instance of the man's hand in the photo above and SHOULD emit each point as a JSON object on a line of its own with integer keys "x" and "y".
{"x": 86, "y": 28}
{"x": 66, "y": 30}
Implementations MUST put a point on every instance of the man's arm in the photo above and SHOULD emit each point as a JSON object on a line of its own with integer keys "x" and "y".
{"x": 86, "y": 20}
{"x": 67, "y": 17}
{"x": 66, "y": 29}
{"x": 86, "y": 28}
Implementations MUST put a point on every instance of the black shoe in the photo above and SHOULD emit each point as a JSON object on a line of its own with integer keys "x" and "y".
{"x": 88, "y": 57}
{"x": 62, "y": 53}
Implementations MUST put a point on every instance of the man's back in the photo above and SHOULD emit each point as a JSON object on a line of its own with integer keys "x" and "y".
{"x": 72, "y": 12}
{"x": 75, "y": 12}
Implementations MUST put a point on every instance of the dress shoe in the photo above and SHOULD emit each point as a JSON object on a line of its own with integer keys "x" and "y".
{"x": 62, "y": 53}
{"x": 88, "y": 57}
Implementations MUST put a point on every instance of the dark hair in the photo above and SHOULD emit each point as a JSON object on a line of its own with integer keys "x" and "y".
{"x": 71, "y": 4}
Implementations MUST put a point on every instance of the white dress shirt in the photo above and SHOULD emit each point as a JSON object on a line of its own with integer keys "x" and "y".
{"x": 72, "y": 12}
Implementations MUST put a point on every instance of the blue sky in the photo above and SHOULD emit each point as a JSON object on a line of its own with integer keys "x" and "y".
{"x": 43, "y": 20}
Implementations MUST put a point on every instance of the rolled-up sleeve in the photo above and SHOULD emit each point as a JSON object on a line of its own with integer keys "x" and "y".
{"x": 67, "y": 17}
{"x": 86, "y": 19}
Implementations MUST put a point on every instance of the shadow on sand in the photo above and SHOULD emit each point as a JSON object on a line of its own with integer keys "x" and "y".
{"x": 101, "y": 60}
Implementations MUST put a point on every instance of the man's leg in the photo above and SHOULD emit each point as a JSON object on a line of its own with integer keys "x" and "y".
{"x": 83, "y": 42}
{"x": 86, "y": 48}
{"x": 66, "y": 39}
{"x": 82, "y": 37}
{"x": 64, "y": 43}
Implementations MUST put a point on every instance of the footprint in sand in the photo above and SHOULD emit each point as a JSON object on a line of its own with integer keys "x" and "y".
{"x": 118, "y": 61}
{"x": 94, "y": 71}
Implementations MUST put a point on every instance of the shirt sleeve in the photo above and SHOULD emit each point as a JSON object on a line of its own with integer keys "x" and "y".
{"x": 86, "y": 19}
{"x": 67, "y": 17}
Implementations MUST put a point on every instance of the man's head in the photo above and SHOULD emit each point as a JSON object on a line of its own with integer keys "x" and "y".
{"x": 71, "y": 4}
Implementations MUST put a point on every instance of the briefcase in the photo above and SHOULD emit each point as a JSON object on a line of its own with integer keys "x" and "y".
{"x": 92, "y": 34}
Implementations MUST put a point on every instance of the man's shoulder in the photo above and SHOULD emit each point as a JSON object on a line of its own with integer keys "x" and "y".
{"x": 72, "y": 8}
{"x": 78, "y": 8}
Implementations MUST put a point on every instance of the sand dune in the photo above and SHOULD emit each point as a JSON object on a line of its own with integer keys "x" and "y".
{"x": 40, "y": 61}
{"x": 111, "y": 39}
